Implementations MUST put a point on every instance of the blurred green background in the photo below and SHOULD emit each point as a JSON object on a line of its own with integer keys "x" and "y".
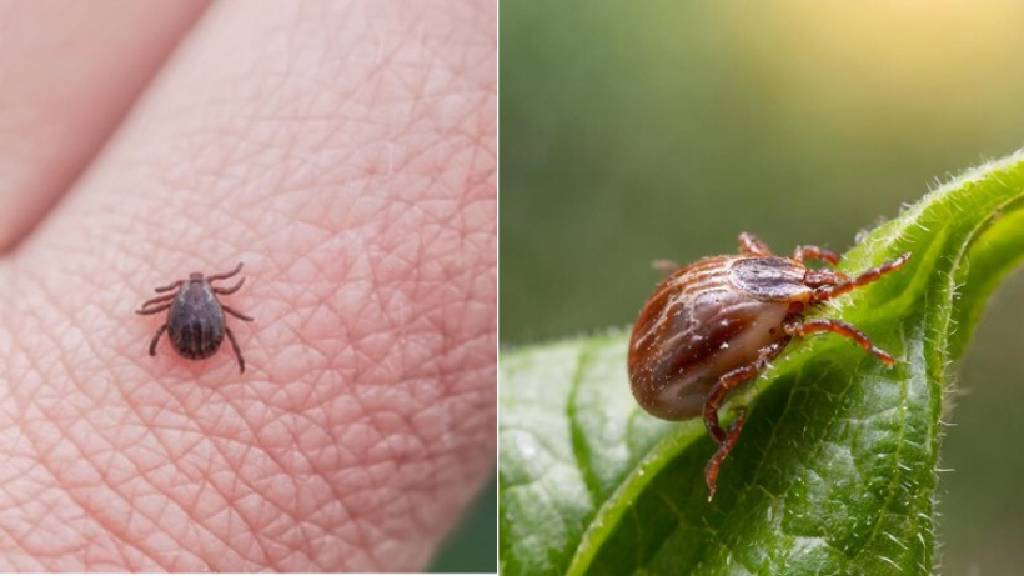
{"x": 472, "y": 545}
{"x": 636, "y": 131}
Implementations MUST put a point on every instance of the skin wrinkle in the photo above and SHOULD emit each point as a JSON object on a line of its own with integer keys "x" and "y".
{"x": 219, "y": 492}
{"x": 368, "y": 415}
{"x": 47, "y": 136}
{"x": 26, "y": 428}
{"x": 63, "y": 479}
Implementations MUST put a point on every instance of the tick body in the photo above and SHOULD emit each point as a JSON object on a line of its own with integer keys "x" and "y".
{"x": 195, "y": 316}
{"x": 718, "y": 322}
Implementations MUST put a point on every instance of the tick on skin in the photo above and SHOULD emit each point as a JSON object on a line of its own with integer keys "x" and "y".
{"x": 195, "y": 318}
{"x": 718, "y": 322}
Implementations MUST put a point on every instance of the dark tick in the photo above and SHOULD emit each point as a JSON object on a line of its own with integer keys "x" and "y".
{"x": 718, "y": 322}
{"x": 195, "y": 320}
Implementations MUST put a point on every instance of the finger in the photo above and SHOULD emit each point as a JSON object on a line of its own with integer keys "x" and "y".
{"x": 345, "y": 152}
{"x": 68, "y": 73}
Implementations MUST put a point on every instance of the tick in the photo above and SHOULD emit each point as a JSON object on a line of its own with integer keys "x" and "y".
{"x": 718, "y": 322}
{"x": 195, "y": 316}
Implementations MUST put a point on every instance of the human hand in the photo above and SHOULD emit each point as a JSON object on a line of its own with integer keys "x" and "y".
{"x": 346, "y": 152}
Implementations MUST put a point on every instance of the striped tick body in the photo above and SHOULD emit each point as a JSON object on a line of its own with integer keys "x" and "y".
{"x": 718, "y": 322}
{"x": 195, "y": 318}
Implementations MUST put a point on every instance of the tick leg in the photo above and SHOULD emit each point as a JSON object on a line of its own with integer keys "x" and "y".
{"x": 238, "y": 351}
{"x": 236, "y": 313}
{"x": 147, "y": 311}
{"x": 828, "y": 292}
{"x": 724, "y": 447}
{"x": 751, "y": 245}
{"x": 727, "y": 382}
{"x": 163, "y": 298}
{"x": 231, "y": 290}
{"x": 225, "y": 275}
{"x": 156, "y": 338}
{"x": 173, "y": 286}
{"x": 841, "y": 328}
{"x": 816, "y": 253}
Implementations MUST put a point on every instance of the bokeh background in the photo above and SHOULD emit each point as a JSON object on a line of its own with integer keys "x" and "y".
{"x": 632, "y": 131}
{"x": 472, "y": 545}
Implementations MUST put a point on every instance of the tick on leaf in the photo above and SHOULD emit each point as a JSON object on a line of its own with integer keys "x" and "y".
{"x": 718, "y": 322}
{"x": 195, "y": 318}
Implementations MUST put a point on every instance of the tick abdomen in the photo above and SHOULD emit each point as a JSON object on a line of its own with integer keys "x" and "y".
{"x": 196, "y": 322}
{"x": 195, "y": 318}
{"x": 702, "y": 322}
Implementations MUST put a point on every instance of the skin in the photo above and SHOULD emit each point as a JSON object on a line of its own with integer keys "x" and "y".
{"x": 346, "y": 153}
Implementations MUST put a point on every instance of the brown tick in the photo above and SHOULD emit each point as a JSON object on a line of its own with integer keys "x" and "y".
{"x": 718, "y": 322}
{"x": 195, "y": 320}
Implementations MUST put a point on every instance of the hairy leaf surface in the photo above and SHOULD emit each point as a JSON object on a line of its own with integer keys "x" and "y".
{"x": 835, "y": 470}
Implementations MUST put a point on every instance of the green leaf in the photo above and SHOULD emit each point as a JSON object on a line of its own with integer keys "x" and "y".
{"x": 835, "y": 470}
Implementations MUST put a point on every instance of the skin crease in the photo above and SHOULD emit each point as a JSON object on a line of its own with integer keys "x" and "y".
{"x": 344, "y": 151}
{"x": 54, "y": 117}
